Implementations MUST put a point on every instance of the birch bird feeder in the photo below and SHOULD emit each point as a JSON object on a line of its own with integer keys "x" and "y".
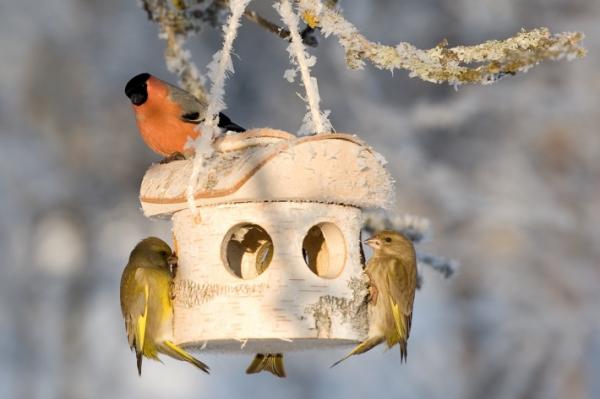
{"x": 274, "y": 262}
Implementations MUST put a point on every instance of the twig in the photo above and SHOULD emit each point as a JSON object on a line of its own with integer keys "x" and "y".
{"x": 307, "y": 35}
{"x": 261, "y": 21}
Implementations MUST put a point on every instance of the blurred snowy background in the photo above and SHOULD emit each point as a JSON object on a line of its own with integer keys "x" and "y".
{"x": 509, "y": 174}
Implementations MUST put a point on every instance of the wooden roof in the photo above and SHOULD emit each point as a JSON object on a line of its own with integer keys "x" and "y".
{"x": 271, "y": 165}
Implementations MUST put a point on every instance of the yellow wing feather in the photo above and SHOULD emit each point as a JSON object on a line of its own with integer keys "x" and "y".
{"x": 140, "y": 326}
{"x": 400, "y": 328}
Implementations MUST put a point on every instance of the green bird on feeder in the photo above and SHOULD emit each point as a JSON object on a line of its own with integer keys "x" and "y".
{"x": 392, "y": 273}
{"x": 146, "y": 303}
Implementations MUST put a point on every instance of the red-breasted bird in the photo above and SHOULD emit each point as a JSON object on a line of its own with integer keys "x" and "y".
{"x": 146, "y": 303}
{"x": 392, "y": 273}
{"x": 167, "y": 115}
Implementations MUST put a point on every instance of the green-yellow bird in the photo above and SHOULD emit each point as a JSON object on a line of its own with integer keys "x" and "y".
{"x": 392, "y": 273}
{"x": 146, "y": 303}
{"x": 271, "y": 362}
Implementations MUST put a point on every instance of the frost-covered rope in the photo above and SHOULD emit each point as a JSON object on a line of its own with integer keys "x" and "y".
{"x": 218, "y": 68}
{"x": 315, "y": 120}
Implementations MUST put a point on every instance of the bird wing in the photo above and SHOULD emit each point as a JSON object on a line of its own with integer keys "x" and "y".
{"x": 136, "y": 312}
{"x": 401, "y": 282}
{"x": 228, "y": 124}
{"x": 192, "y": 110}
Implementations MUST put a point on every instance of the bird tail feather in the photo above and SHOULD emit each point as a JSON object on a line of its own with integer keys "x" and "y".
{"x": 169, "y": 348}
{"x": 139, "y": 358}
{"x": 363, "y": 347}
{"x": 273, "y": 363}
{"x": 402, "y": 324}
{"x": 403, "y": 351}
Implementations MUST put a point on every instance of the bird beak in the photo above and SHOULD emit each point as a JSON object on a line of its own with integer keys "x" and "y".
{"x": 373, "y": 242}
{"x": 172, "y": 260}
{"x": 138, "y": 99}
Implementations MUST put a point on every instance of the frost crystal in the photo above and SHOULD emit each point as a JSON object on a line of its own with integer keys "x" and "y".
{"x": 290, "y": 75}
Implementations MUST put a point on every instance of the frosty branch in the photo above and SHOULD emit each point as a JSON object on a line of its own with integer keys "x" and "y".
{"x": 483, "y": 63}
{"x": 441, "y": 63}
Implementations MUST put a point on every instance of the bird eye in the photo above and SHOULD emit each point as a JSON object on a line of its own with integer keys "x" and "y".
{"x": 191, "y": 116}
{"x": 163, "y": 254}
{"x": 388, "y": 239}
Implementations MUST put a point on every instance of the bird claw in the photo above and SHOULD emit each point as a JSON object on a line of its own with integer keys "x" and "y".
{"x": 373, "y": 294}
{"x": 172, "y": 291}
{"x": 372, "y": 290}
{"x": 176, "y": 156}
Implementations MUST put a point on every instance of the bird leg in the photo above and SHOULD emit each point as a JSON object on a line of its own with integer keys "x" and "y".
{"x": 176, "y": 156}
{"x": 373, "y": 291}
{"x": 373, "y": 294}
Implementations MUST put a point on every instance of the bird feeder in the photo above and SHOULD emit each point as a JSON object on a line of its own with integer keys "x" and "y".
{"x": 273, "y": 263}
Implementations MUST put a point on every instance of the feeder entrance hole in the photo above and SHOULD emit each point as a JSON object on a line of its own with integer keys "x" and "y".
{"x": 248, "y": 250}
{"x": 324, "y": 250}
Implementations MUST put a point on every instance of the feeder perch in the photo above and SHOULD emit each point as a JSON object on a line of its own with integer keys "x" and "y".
{"x": 273, "y": 263}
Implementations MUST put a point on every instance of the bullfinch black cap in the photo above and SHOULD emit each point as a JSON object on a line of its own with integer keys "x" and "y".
{"x": 136, "y": 89}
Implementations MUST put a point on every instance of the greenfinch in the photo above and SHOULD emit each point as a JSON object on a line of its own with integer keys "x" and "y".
{"x": 392, "y": 271}
{"x": 146, "y": 303}
{"x": 273, "y": 363}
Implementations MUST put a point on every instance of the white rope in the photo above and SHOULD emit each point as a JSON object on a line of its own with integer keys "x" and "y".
{"x": 315, "y": 120}
{"x": 218, "y": 69}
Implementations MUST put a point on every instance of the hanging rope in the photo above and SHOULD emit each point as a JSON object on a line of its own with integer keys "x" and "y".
{"x": 209, "y": 130}
{"x": 315, "y": 121}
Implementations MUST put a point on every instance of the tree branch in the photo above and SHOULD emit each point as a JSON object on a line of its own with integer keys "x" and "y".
{"x": 307, "y": 33}
{"x": 443, "y": 64}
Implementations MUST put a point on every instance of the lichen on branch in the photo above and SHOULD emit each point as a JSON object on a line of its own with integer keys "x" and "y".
{"x": 483, "y": 63}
